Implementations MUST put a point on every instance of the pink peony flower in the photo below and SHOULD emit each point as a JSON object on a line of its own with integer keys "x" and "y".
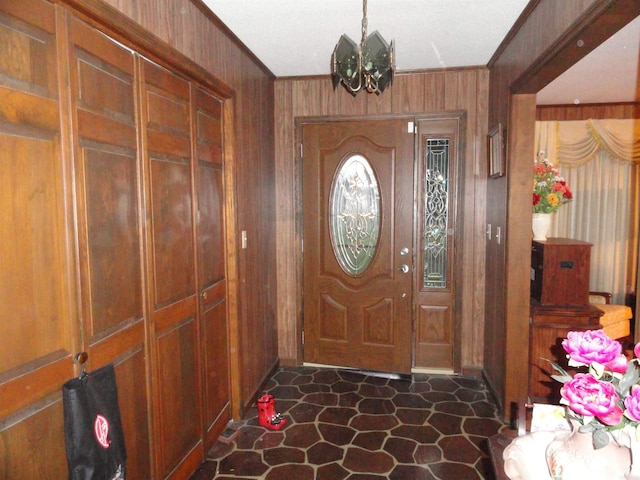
{"x": 636, "y": 350}
{"x": 585, "y": 395}
{"x": 591, "y": 346}
{"x": 618, "y": 365}
{"x": 632, "y": 403}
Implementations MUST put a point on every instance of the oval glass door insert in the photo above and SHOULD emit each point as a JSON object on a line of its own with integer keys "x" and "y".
{"x": 354, "y": 210}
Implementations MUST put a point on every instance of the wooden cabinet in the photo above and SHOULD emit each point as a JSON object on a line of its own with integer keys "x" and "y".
{"x": 549, "y": 326}
{"x": 560, "y": 271}
{"x": 112, "y": 243}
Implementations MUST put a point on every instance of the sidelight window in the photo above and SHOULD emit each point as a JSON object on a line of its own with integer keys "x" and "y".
{"x": 436, "y": 212}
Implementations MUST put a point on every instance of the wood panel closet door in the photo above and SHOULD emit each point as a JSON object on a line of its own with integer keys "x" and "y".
{"x": 38, "y": 314}
{"x": 102, "y": 81}
{"x": 211, "y": 264}
{"x": 166, "y": 119}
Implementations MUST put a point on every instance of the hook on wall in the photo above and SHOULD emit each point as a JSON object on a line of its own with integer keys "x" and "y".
{"x": 81, "y": 358}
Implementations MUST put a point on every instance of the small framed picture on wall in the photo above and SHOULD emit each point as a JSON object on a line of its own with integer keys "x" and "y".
{"x": 495, "y": 152}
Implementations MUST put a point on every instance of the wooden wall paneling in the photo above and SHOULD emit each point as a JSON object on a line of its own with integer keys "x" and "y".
{"x": 174, "y": 332}
{"x": 209, "y": 173}
{"x": 546, "y": 113}
{"x": 103, "y": 99}
{"x": 39, "y": 322}
{"x": 287, "y": 218}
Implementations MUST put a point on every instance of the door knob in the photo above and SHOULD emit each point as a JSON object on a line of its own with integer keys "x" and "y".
{"x": 403, "y": 268}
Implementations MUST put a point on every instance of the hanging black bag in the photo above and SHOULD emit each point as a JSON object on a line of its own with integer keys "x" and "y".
{"x": 92, "y": 427}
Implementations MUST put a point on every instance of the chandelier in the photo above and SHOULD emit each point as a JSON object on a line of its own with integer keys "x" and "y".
{"x": 368, "y": 66}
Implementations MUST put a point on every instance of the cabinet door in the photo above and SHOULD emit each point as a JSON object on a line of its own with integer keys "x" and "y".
{"x": 166, "y": 120}
{"x": 102, "y": 84}
{"x": 38, "y": 316}
{"x": 211, "y": 263}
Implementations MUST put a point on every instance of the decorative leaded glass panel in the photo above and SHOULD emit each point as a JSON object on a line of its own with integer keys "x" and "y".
{"x": 436, "y": 212}
{"x": 354, "y": 210}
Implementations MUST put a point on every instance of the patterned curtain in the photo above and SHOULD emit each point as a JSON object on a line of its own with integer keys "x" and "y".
{"x": 600, "y": 160}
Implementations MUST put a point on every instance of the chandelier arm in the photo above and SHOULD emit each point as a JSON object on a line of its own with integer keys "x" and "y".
{"x": 364, "y": 22}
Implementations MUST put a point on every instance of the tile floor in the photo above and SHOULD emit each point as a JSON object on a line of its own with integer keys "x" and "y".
{"x": 348, "y": 425}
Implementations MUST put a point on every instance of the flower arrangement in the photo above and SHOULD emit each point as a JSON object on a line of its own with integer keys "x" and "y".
{"x": 550, "y": 190}
{"x": 607, "y": 397}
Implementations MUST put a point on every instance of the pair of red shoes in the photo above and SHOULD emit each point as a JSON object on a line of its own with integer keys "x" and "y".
{"x": 267, "y": 415}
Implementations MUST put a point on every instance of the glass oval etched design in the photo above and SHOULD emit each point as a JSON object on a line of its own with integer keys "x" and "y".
{"x": 354, "y": 214}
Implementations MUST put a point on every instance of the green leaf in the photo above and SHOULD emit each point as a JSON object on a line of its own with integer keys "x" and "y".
{"x": 600, "y": 438}
{"x": 630, "y": 378}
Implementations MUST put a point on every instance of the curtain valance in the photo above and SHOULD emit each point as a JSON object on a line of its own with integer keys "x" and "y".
{"x": 574, "y": 143}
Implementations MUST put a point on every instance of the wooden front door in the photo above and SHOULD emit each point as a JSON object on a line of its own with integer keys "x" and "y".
{"x": 358, "y": 229}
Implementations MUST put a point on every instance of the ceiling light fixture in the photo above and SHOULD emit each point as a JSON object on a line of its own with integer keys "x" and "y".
{"x": 368, "y": 66}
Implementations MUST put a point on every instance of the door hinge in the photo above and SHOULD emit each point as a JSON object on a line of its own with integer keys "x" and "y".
{"x": 301, "y": 150}
{"x": 302, "y": 337}
{"x": 411, "y": 127}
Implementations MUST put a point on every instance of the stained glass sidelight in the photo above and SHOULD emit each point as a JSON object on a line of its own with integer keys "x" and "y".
{"x": 354, "y": 206}
{"x": 436, "y": 212}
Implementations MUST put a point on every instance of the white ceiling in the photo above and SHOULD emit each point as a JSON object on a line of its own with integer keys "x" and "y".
{"x": 297, "y": 37}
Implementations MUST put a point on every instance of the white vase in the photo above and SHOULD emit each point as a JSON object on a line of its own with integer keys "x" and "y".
{"x": 571, "y": 456}
{"x": 540, "y": 225}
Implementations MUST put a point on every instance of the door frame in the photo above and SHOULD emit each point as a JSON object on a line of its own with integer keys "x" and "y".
{"x": 299, "y": 122}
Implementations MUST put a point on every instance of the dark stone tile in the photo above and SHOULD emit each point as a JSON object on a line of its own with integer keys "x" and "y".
{"x": 376, "y": 380}
{"x": 289, "y": 472}
{"x": 401, "y": 449}
{"x": 337, "y": 415}
{"x": 302, "y": 380}
{"x": 428, "y": 454}
{"x": 344, "y": 387}
{"x": 454, "y": 408}
{"x": 279, "y": 456}
{"x": 284, "y": 392}
{"x": 243, "y": 463}
{"x": 376, "y": 406}
{"x": 248, "y": 436}
{"x": 421, "y": 434}
{"x": 469, "y": 396}
{"x": 314, "y": 388}
{"x": 484, "y": 409}
{"x": 472, "y": 383}
{"x": 454, "y": 471}
{"x": 349, "y": 399}
{"x": 436, "y": 397}
{"x": 358, "y": 460}
{"x": 284, "y": 377}
{"x": 270, "y": 439}
{"x": 376, "y": 391}
{"x": 219, "y": 450}
{"x": 323, "y": 452}
{"x": 328, "y": 377}
{"x": 413, "y": 416}
{"x": 322, "y": 398}
{"x": 351, "y": 376}
{"x": 443, "y": 383}
{"x": 412, "y": 472}
{"x": 366, "y": 476}
{"x": 459, "y": 449}
{"x": 206, "y": 471}
{"x": 482, "y": 426}
{"x": 400, "y": 385}
{"x": 336, "y": 434}
{"x": 301, "y": 436}
{"x": 446, "y": 424}
{"x": 373, "y": 422}
{"x": 333, "y": 471}
{"x": 370, "y": 440}
{"x": 305, "y": 412}
{"x": 409, "y": 400}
